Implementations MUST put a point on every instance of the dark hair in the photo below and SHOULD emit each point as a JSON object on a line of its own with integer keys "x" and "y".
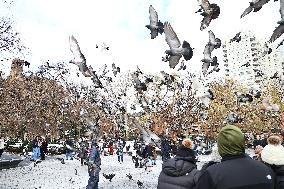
{"x": 185, "y": 152}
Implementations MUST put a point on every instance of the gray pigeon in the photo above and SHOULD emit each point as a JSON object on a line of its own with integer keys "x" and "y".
{"x": 279, "y": 30}
{"x": 79, "y": 58}
{"x": 209, "y": 12}
{"x": 208, "y": 60}
{"x": 215, "y": 42}
{"x": 176, "y": 52}
{"x": 254, "y": 6}
{"x": 115, "y": 69}
{"x": 236, "y": 38}
{"x": 156, "y": 26}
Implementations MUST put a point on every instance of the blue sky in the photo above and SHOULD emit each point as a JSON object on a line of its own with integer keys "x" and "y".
{"x": 46, "y": 25}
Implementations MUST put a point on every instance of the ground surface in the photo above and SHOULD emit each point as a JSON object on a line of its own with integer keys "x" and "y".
{"x": 51, "y": 174}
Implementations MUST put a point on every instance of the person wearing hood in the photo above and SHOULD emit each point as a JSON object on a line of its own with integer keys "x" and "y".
{"x": 236, "y": 170}
{"x": 180, "y": 172}
{"x": 94, "y": 166}
{"x": 273, "y": 155}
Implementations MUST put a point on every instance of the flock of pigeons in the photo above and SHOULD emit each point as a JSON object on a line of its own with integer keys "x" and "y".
{"x": 209, "y": 13}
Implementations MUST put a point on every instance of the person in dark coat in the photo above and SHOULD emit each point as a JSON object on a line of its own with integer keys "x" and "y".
{"x": 180, "y": 172}
{"x": 165, "y": 149}
{"x": 273, "y": 156}
{"x": 43, "y": 148}
{"x": 236, "y": 170}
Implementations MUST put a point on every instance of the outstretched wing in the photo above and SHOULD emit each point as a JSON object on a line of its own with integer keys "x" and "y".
{"x": 277, "y": 33}
{"x": 205, "y": 67}
{"x": 207, "y": 51}
{"x": 153, "y": 16}
{"x": 205, "y": 5}
{"x": 281, "y": 10}
{"x": 76, "y": 51}
{"x": 174, "y": 60}
{"x": 171, "y": 37}
{"x": 260, "y": 3}
{"x": 212, "y": 39}
{"x": 205, "y": 22}
{"x": 247, "y": 11}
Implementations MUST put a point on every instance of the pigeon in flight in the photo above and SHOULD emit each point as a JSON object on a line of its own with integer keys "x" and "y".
{"x": 236, "y": 38}
{"x": 156, "y": 26}
{"x": 254, "y": 6}
{"x": 176, "y": 52}
{"x": 279, "y": 30}
{"x": 213, "y": 41}
{"x": 115, "y": 69}
{"x": 79, "y": 58}
{"x": 267, "y": 50}
{"x": 207, "y": 60}
{"x": 182, "y": 66}
{"x": 209, "y": 12}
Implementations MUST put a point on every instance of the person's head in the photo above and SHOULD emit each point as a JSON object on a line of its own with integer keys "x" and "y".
{"x": 274, "y": 140}
{"x": 186, "y": 148}
{"x": 231, "y": 141}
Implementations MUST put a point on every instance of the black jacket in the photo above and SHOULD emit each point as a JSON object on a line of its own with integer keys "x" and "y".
{"x": 237, "y": 172}
{"x": 178, "y": 173}
{"x": 279, "y": 173}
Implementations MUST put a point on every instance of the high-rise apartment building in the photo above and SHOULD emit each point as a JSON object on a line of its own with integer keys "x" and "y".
{"x": 251, "y": 61}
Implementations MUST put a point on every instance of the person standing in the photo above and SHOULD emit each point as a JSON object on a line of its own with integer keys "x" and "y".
{"x": 2, "y": 146}
{"x": 43, "y": 148}
{"x": 119, "y": 153}
{"x": 69, "y": 149}
{"x": 273, "y": 156}
{"x": 181, "y": 171}
{"x": 94, "y": 166}
{"x": 236, "y": 170}
{"x": 36, "y": 148}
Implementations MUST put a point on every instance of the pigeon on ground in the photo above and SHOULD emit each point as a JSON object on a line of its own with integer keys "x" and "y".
{"x": 139, "y": 183}
{"x": 61, "y": 160}
{"x": 115, "y": 69}
{"x": 254, "y": 6}
{"x": 236, "y": 38}
{"x": 176, "y": 52}
{"x": 109, "y": 176}
{"x": 79, "y": 58}
{"x": 279, "y": 30}
{"x": 275, "y": 76}
{"x": 209, "y": 12}
{"x": 129, "y": 176}
{"x": 156, "y": 26}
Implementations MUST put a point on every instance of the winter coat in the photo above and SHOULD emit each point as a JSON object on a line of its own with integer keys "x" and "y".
{"x": 237, "y": 172}
{"x": 94, "y": 157}
{"x": 149, "y": 151}
{"x": 178, "y": 173}
{"x": 35, "y": 143}
{"x": 273, "y": 155}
